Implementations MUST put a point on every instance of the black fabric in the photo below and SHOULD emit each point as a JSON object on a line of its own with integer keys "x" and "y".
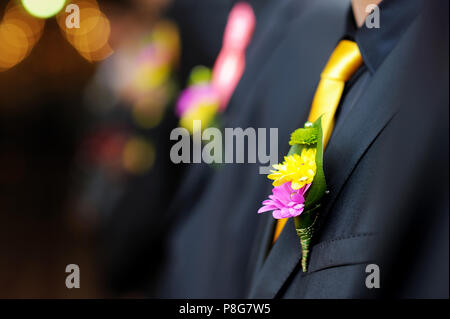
{"x": 208, "y": 251}
{"x": 220, "y": 247}
{"x": 374, "y": 174}
{"x": 376, "y": 43}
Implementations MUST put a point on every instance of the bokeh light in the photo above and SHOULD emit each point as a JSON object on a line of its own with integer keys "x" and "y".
{"x": 138, "y": 155}
{"x": 151, "y": 75}
{"x": 144, "y": 73}
{"x": 14, "y": 45}
{"x": 19, "y": 32}
{"x": 204, "y": 112}
{"x": 43, "y": 8}
{"x": 148, "y": 112}
{"x": 91, "y": 40}
{"x": 200, "y": 75}
{"x": 166, "y": 35}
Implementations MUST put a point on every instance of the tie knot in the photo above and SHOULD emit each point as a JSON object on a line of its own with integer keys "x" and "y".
{"x": 343, "y": 62}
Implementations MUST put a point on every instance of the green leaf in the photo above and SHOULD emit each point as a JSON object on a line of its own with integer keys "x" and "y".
{"x": 305, "y": 223}
{"x": 318, "y": 186}
{"x": 200, "y": 75}
{"x": 295, "y": 149}
{"x": 307, "y": 135}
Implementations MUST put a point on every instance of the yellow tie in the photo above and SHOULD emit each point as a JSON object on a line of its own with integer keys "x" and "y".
{"x": 342, "y": 64}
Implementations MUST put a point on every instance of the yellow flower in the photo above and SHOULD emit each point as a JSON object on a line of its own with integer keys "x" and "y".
{"x": 298, "y": 169}
{"x": 204, "y": 112}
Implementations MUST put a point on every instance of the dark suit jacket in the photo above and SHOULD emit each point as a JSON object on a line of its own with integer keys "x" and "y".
{"x": 203, "y": 259}
{"x": 383, "y": 208}
{"x": 219, "y": 246}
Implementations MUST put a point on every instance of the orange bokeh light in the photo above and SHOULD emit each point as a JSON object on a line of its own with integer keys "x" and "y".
{"x": 91, "y": 40}
{"x": 19, "y": 32}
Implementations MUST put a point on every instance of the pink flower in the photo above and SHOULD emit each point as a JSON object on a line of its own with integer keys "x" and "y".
{"x": 285, "y": 201}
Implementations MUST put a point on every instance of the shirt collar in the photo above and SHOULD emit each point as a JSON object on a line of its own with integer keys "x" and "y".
{"x": 376, "y": 43}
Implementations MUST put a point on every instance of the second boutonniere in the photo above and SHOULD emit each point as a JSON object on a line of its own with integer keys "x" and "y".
{"x": 299, "y": 184}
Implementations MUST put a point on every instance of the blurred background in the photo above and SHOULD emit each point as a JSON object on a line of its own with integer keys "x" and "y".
{"x": 85, "y": 116}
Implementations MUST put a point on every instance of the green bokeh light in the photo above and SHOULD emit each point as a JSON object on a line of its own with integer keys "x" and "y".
{"x": 43, "y": 8}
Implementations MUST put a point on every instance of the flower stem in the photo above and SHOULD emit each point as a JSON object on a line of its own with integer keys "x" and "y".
{"x": 304, "y": 226}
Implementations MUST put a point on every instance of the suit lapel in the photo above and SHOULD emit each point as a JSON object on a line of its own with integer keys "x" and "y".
{"x": 279, "y": 264}
{"x": 370, "y": 115}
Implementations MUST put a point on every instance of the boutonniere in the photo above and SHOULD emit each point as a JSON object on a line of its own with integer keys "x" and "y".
{"x": 299, "y": 184}
{"x": 199, "y": 101}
